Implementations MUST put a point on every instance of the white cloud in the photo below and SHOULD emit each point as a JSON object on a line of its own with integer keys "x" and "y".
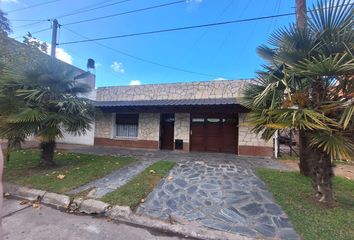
{"x": 193, "y": 4}
{"x": 61, "y": 54}
{"x": 118, "y": 67}
{"x": 134, "y": 82}
{"x": 220, "y": 79}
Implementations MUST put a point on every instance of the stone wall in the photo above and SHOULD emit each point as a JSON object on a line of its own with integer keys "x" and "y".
{"x": 187, "y": 90}
{"x": 182, "y": 127}
{"x": 103, "y": 125}
{"x": 248, "y": 138}
{"x": 149, "y": 126}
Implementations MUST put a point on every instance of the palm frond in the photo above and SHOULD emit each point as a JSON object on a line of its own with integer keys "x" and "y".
{"x": 333, "y": 143}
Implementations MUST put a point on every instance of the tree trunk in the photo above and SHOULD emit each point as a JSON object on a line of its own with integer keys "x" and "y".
{"x": 47, "y": 154}
{"x": 322, "y": 179}
{"x": 306, "y": 154}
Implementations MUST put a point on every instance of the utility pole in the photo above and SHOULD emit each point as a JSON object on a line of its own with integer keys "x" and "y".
{"x": 54, "y": 39}
{"x": 301, "y": 14}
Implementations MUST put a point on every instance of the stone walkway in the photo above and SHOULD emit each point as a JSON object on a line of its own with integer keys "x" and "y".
{"x": 220, "y": 191}
{"x": 224, "y": 195}
{"x": 111, "y": 182}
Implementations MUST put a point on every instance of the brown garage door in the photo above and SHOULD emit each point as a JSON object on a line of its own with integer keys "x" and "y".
{"x": 214, "y": 133}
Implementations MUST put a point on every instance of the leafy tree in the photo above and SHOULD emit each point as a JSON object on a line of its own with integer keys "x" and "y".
{"x": 308, "y": 86}
{"x": 4, "y": 23}
{"x": 48, "y": 102}
{"x": 35, "y": 43}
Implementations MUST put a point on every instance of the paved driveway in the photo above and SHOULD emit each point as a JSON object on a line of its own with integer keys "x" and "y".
{"x": 220, "y": 191}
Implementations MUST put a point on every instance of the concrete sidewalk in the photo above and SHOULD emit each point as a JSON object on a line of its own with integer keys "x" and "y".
{"x": 24, "y": 222}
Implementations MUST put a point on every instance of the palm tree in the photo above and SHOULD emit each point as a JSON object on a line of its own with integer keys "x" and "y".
{"x": 48, "y": 103}
{"x": 308, "y": 86}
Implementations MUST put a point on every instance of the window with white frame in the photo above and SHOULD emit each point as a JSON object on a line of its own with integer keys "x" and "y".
{"x": 127, "y": 125}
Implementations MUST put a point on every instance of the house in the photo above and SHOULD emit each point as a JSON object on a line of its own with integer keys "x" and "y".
{"x": 190, "y": 116}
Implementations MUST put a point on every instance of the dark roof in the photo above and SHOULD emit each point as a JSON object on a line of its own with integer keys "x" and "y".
{"x": 175, "y": 102}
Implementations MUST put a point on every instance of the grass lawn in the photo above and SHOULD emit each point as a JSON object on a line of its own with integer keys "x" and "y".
{"x": 294, "y": 193}
{"x": 131, "y": 193}
{"x": 78, "y": 169}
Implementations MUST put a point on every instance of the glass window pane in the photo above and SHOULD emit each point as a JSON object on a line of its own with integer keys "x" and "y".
{"x": 198, "y": 120}
{"x": 127, "y": 130}
{"x": 213, "y": 120}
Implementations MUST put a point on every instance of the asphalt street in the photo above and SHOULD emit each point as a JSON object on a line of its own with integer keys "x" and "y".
{"x": 23, "y": 222}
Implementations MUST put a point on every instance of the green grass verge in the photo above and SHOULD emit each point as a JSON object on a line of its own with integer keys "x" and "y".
{"x": 131, "y": 193}
{"x": 78, "y": 169}
{"x": 312, "y": 221}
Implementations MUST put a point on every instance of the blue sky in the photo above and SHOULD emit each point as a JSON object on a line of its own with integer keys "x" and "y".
{"x": 227, "y": 51}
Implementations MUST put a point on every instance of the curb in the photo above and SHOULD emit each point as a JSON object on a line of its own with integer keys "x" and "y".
{"x": 120, "y": 213}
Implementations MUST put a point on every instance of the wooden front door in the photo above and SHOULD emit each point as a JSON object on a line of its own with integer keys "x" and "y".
{"x": 167, "y": 126}
{"x": 214, "y": 133}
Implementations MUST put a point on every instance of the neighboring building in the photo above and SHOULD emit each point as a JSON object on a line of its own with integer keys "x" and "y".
{"x": 191, "y": 116}
{"x": 21, "y": 57}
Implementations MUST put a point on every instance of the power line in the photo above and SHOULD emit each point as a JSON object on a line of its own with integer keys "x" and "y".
{"x": 26, "y": 20}
{"x": 32, "y": 24}
{"x": 87, "y": 8}
{"x": 39, "y": 31}
{"x": 75, "y": 12}
{"x": 33, "y": 6}
{"x": 180, "y": 28}
{"x": 144, "y": 60}
{"x": 124, "y": 13}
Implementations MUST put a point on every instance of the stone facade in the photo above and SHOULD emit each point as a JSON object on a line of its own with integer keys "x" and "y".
{"x": 149, "y": 126}
{"x": 248, "y": 138}
{"x": 182, "y": 129}
{"x": 103, "y": 125}
{"x": 188, "y": 90}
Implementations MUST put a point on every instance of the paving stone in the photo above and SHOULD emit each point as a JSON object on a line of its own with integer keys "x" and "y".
{"x": 195, "y": 175}
{"x": 282, "y": 222}
{"x": 265, "y": 220}
{"x": 194, "y": 216}
{"x": 258, "y": 197}
{"x": 203, "y": 193}
{"x": 180, "y": 182}
{"x": 212, "y": 223}
{"x": 207, "y": 203}
{"x": 170, "y": 187}
{"x": 273, "y": 209}
{"x": 172, "y": 204}
{"x": 266, "y": 230}
{"x": 253, "y": 209}
{"x": 209, "y": 186}
{"x": 161, "y": 193}
{"x": 233, "y": 214}
{"x": 192, "y": 189}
